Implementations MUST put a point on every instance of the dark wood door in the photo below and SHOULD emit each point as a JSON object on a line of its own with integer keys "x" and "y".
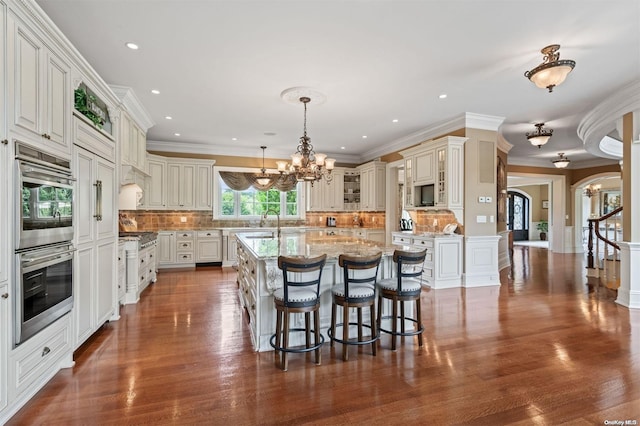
{"x": 518, "y": 216}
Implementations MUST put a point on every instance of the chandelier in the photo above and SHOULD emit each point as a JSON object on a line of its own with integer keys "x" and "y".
{"x": 263, "y": 178}
{"x": 591, "y": 190}
{"x": 561, "y": 162}
{"x": 307, "y": 165}
{"x": 552, "y": 71}
{"x": 540, "y": 136}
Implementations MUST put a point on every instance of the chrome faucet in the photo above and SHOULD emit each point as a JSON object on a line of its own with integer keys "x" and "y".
{"x": 264, "y": 216}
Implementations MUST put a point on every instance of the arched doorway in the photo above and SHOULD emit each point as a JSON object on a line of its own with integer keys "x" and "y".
{"x": 518, "y": 216}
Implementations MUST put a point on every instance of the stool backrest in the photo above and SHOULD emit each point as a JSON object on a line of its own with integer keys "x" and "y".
{"x": 301, "y": 272}
{"x": 350, "y": 263}
{"x": 409, "y": 265}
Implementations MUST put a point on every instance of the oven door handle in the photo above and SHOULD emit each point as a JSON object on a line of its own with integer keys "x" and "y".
{"x": 34, "y": 264}
{"x": 98, "y": 214}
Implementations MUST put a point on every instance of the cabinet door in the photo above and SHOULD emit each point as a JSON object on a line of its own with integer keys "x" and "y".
{"x": 105, "y": 280}
{"x": 203, "y": 187}
{"x": 105, "y": 198}
{"x": 173, "y": 186}
{"x": 408, "y": 183}
{"x": 58, "y": 103}
{"x": 83, "y": 278}
{"x": 155, "y": 187}
{"x": 209, "y": 250}
{"x": 84, "y": 196}
{"x": 315, "y": 195}
{"x": 141, "y": 147}
{"x": 441, "y": 182}
{"x": 334, "y": 199}
{"x": 4, "y": 339}
{"x": 367, "y": 180}
{"x": 188, "y": 190}
{"x": 27, "y": 82}
{"x": 133, "y": 144}
{"x": 166, "y": 249}
{"x": 424, "y": 172}
{"x": 125, "y": 138}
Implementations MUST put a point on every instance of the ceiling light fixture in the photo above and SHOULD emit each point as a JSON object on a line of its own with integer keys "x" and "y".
{"x": 443, "y": 96}
{"x": 132, "y": 46}
{"x": 540, "y": 137}
{"x": 155, "y": 91}
{"x": 561, "y": 162}
{"x": 552, "y": 71}
{"x": 591, "y": 190}
{"x": 263, "y": 178}
{"x": 306, "y": 165}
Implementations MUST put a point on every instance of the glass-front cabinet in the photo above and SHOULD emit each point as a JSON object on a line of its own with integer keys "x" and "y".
{"x": 351, "y": 190}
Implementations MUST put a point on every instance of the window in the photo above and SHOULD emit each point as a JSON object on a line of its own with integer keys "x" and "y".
{"x": 251, "y": 203}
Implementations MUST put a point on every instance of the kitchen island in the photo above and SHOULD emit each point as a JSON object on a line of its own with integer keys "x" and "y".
{"x": 259, "y": 275}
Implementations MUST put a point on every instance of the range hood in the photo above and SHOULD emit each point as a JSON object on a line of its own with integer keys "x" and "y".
{"x": 130, "y": 197}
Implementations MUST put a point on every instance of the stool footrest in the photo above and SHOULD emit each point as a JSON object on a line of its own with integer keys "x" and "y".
{"x": 297, "y": 350}
{"x": 400, "y": 333}
{"x": 352, "y": 342}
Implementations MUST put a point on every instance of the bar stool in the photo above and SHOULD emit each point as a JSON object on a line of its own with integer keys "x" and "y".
{"x": 358, "y": 290}
{"x": 404, "y": 287}
{"x": 300, "y": 292}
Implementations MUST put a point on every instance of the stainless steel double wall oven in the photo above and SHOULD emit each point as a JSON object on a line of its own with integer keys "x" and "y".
{"x": 44, "y": 251}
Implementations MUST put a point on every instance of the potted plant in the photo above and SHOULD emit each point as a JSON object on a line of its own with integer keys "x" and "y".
{"x": 543, "y": 227}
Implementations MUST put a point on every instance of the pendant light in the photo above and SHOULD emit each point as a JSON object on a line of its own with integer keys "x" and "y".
{"x": 540, "y": 136}
{"x": 552, "y": 71}
{"x": 263, "y": 178}
{"x": 561, "y": 162}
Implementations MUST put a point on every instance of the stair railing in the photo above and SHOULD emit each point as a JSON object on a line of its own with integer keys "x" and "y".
{"x": 607, "y": 266}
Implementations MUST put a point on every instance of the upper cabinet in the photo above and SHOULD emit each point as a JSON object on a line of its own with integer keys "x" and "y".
{"x": 133, "y": 143}
{"x": 434, "y": 174}
{"x": 40, "y": 93}
{"x": 372, "y": 186}
{"x": 178, "y": 184}
{"x": 323, "y": 196}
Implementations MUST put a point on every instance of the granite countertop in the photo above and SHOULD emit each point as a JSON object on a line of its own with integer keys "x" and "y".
{"x": 310, "y": 243}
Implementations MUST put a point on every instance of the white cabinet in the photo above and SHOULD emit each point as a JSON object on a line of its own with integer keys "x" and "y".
{"x": 141, "y": 270}
{"x": 155, "y": 189}
{"x": 133, "y": 143}
{"x": 95, "y": 279}
{"x": 372, "y": 186}
{"x": 40, "y": 90}
{"x": 443, "y": 263}
{"x": 377, "y": 235}
{"x": 166, "y": 248}
{"x": 4, "y": 343}
{"x": 185, "y": 245}
{"x": 439, "y": 163}
{"x": 204, "y": 189}
{"x": 325, "y": 196}
{"x": 181, "y": 186}
{"x": 122, "y": 272}
{"x": 425, "y": 172}
{"x": 208, "y": 246}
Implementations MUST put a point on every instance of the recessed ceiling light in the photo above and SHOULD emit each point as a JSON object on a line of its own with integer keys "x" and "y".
{"x": 395, "y": 120}
{"x": 155, "y": 91}
{"x": 443, "y": 96}
{"x": 364, "y": 136}
{"x": 342, "y": 147}
{"x": 132, "y": 46}
{"x": 177, "y": 134}
{"x": 234, "y": 139}
{"x": 168, "y": 117}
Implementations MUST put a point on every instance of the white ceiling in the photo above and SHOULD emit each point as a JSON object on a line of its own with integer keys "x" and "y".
{"x": 221, "y": 65}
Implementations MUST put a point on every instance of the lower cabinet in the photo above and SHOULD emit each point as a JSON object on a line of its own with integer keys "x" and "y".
{"x": 122, "y": 272}
{"x": 34, "y": 362}
{"x": 166, "y": 248}
{"x": 443, "y": 264}
{"x": 141, "y": 270}
{"x": 208, "y": 246}
{"x": 185, "y": 243}
{"x": 4, "y": 344}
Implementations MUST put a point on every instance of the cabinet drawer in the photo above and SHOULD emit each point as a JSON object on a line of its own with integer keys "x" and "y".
{"x": 184, "y": 257}
{"x": 401, "y": 240}
{"x": 208, "y": 234}
{"x": 427, "y": 273}
{"x": 359, "y": 233}
{"x": 184, "y": 235}
{"x": 31, "y": 360}
{"x": 423, "y": 243}
{"x": 185, "y": 245}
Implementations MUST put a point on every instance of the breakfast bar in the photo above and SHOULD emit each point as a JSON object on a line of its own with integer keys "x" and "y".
{"x": 259, "y": 275}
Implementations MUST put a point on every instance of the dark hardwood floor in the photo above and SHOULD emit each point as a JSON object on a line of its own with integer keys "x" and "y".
{"x": 544, "y": 348}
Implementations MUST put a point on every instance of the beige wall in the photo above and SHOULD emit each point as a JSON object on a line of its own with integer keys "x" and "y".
{"x": 538, "y": 194}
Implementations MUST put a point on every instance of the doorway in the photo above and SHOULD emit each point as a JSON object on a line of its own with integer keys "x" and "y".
{"x": 518, "y": 216}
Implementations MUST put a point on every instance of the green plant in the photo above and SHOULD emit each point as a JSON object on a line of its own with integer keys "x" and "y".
{"x": 543, "y": 226}
{"x": 80, "y": 104}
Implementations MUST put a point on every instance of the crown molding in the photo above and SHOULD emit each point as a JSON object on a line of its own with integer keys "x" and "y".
{"x": 598, "y": 122}
{"x": 134, "y": 107}
{"x": 503, "y": 145}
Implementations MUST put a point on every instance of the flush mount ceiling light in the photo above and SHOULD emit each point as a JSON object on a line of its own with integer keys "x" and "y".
{"x": 540, "y": 136}
{"x": 561, "y": 162}
{"x": 306, "y": 165}
{"x": 263, "y": 178}
{"x": 552, "y": 71}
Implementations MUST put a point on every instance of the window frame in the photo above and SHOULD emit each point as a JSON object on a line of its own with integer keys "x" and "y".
{"x": 217, "y": 197}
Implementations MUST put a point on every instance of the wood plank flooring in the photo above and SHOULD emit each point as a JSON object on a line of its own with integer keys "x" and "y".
{"x": 544, "y": 348}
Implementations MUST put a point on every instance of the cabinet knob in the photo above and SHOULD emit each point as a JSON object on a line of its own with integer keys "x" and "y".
{"x": 45, "y": 351}
{"x": 208, "y": 234}
{"x": 46, "y": 136}
{"x": 5, "y": 142}
{"x": 5, "y": 295}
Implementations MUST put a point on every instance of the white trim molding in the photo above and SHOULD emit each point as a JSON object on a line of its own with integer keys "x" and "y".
{"x": 629, "y": 290}
{"x": 504, "y": 254}
{"x": 481, "y": 261}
